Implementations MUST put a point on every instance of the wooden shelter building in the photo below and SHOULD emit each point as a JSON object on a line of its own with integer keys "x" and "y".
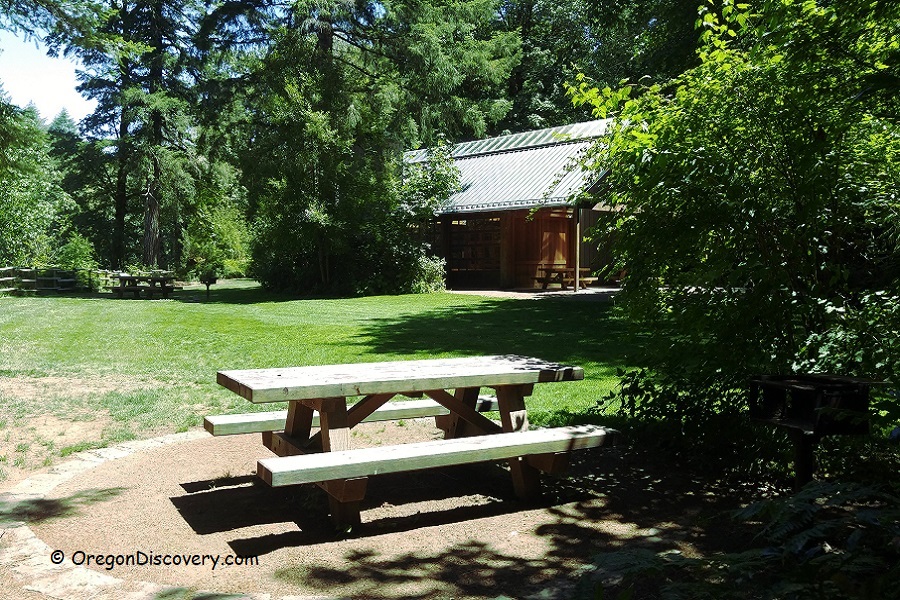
{"x": 514, "y": 213}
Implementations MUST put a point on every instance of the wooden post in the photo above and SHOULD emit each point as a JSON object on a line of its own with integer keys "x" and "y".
{"x": 344, "y": 495}
{"x": 577, "y": 248}
{"x": 804, "y": 457}
{"x": 526, "y": 478}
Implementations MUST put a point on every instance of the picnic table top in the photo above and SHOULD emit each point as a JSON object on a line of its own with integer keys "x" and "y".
{"x": 562, "y": 269}
{"x": 125, "y": 280}
{"x": 341, "y": 381}
{"x": 157, "y": 276}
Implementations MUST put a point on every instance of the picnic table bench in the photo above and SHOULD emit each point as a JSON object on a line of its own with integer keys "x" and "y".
{"x": 148, "y": 285}
{"x": 564, "y": 276}
{"x": 317, "y": 396}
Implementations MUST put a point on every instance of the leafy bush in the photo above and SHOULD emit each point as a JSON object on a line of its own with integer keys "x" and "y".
{"x": 216, "y": 238}
{"x": 756, "y": 199}
{"x": 828, "y": 541}
{"x": 33, "y": 206}
{"x": 369, "y": 243}
{"x": 78, "y": 254}
{"x": 432, "y": 275}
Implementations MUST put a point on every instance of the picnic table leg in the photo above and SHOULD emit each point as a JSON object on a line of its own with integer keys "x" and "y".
{"x": 296, "y": 432}
{"x": 344, "y": 495}
{"x": 513, "y": 417}
{"x": 453, "y": 425}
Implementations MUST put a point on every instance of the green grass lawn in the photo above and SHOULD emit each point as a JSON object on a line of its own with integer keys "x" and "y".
{"x": 149, "y": 367}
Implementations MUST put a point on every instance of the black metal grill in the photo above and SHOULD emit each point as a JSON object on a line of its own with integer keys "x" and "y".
{"x": 815, "y": 404}
{"x": 810, "y": 407}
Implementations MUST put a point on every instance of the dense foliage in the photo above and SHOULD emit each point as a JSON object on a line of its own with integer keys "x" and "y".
{"x": 758, "y": 203}
{"x": 34, "y": 208}
{"x": 757, "y": 200}
{"x": 263, "y": 136}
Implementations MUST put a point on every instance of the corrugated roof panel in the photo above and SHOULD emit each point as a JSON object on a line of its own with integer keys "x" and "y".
{"x": 518, "y": 141}
{"x": 518, "y": 179}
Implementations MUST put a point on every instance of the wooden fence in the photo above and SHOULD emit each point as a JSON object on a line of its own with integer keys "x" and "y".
{"x": 23, "y": 280}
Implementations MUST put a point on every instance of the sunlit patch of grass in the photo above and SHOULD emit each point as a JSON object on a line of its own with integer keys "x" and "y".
{"x": 81, "y": 446}
{"x": 150, "y": 367}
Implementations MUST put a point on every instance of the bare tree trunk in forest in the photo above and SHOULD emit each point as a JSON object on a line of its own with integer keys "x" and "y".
{"x": 154, "y": 189}
{"x": 121, "y": 199}
{"x": 123, "y": 155}
{"x": 151, "y": 216}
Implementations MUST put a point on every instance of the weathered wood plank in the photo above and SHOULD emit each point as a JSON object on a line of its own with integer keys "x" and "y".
{"x": 283, "y": 444}
{"x": 299, "y": 421}
{"x": 513, "y": 417}
{"x": 463, "y": 411}
{"x": 298, "y": 383}
{"x": 335, "y": 432}
{"x": 363, "y": 462}
{"x": 453, "y": 425}
{"x": 275, "y": 420}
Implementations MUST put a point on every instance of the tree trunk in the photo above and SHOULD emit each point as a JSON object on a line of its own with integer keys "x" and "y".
{"x": 154, "y": 189}
{"x": 151, "y": 216}
{"x": 121, "y": 195}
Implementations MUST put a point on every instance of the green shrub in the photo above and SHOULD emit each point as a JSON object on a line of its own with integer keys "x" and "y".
{"x": 756, "y": 212}
{"x": 78, "y": 254}
{"x": 431, "y": 275}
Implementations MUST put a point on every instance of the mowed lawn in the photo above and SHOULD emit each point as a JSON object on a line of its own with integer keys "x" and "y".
{"x": 122, "y": 369}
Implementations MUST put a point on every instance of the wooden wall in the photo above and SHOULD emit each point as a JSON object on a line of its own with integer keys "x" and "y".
{"x": 529, "y": 241}
{"x": 504, "y": 250}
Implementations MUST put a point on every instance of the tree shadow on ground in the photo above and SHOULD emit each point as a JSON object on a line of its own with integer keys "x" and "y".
{"x": 244, "y": 293}
{"x": 37, "y": 510}
{"x": 182, "y": 593}
{"x": 612, "y": 499}
{"x": 558, "y": 329}
{"x": 236, "y": 503}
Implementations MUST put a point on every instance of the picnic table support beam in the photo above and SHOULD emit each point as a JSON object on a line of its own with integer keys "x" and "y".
{"x": 345, "y": 498}
{"x": 804, "y": 457}
{"x": 464, "y": 411}
{"x": 514, "y": 417}
{"x": 344, "y": 495}
{"x": 452, "y": 424}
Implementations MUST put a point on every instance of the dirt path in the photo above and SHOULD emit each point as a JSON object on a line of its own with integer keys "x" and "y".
{"x": 449, "y": 533}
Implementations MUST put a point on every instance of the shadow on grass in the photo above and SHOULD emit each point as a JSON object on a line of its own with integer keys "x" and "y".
{"x": 231, "y": 291}
{"x": 557, "y": 329}
{"x": 42, "y": 509}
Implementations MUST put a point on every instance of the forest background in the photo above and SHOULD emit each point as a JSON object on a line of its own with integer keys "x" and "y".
{"x": 265, "y": 137}
{"x": 753, "y": 161}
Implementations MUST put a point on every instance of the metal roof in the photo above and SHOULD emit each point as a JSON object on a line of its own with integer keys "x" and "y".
{"x": 520, "y": 171}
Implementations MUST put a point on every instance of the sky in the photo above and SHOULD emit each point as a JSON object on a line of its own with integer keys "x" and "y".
{"x": 27, "y": 74}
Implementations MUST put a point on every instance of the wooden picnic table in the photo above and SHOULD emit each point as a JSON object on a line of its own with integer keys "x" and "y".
{"x": 149, "y": 285}
{"x": 317, "y": 395}
{"x": 564, "y": 276}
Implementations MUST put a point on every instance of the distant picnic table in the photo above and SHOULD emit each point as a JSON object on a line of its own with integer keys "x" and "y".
{"x": 317, "y": 396}
{"x": 148, "y": 286}
{"x": 564, "y": 276}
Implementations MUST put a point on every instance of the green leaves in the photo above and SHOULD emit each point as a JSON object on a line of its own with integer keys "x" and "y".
{"x": 758, "y": 203}
{"x": 33, "y": 206}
